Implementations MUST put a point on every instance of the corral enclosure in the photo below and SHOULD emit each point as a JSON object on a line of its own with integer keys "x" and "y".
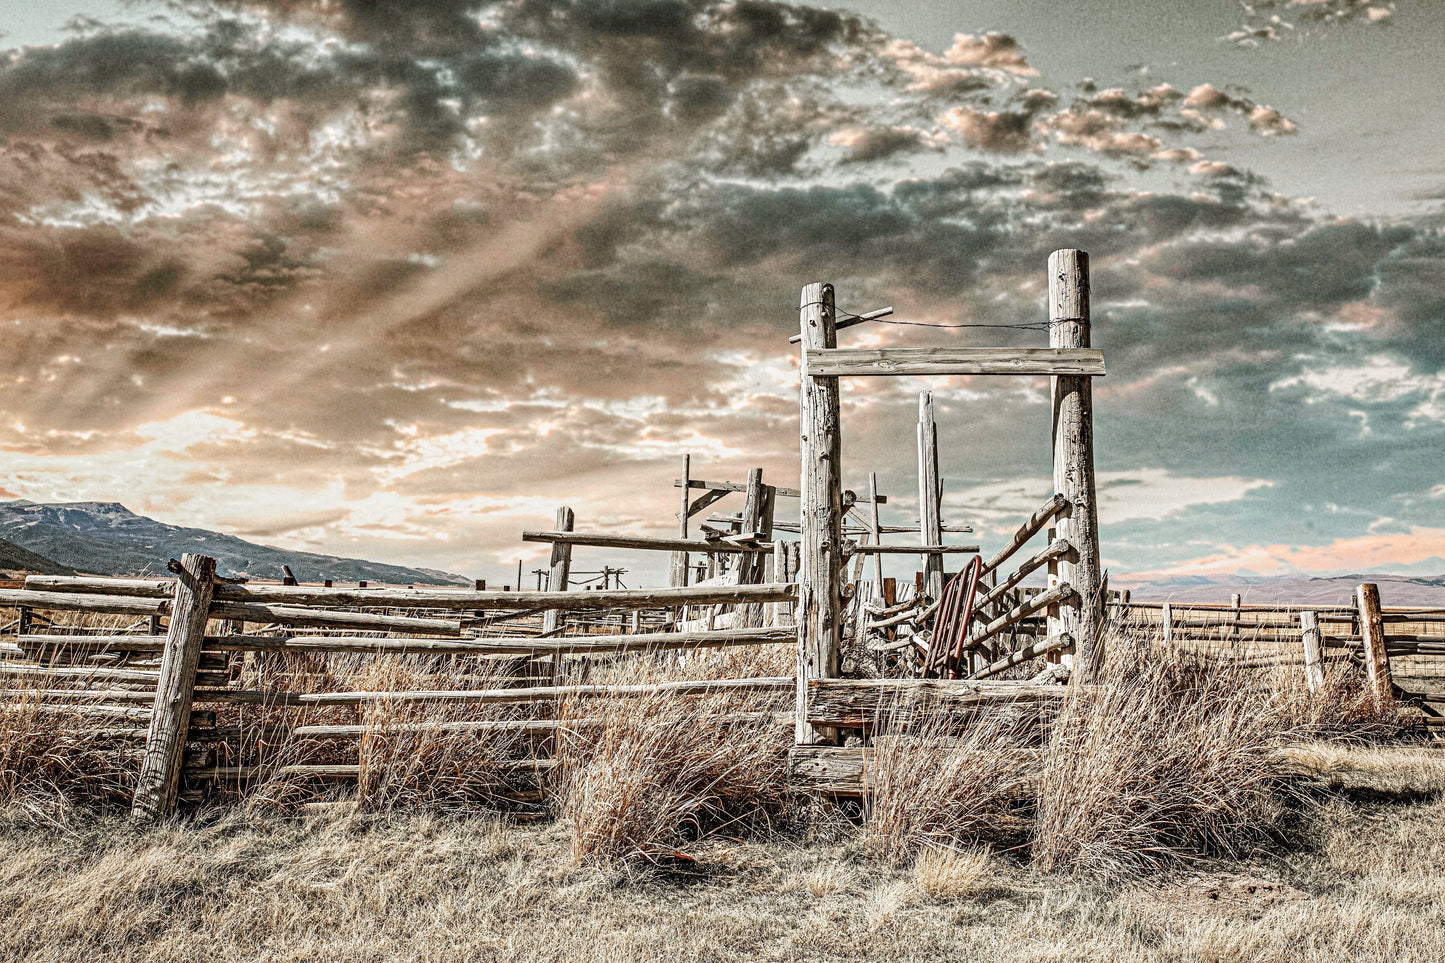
{"x": 196, "y": 688}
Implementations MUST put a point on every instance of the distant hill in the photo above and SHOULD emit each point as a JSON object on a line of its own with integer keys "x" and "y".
{"x": 106, "y": 538}
{"x": 13, "y": 558}
{"x": 1330, "y": 590}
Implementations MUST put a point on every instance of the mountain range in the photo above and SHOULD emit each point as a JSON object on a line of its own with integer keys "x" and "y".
{"x": 106, "y": 538}
{"x": 1300, "y": 589}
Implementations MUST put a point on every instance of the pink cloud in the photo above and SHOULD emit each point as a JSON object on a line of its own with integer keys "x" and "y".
{"x": 1360, "y": 553}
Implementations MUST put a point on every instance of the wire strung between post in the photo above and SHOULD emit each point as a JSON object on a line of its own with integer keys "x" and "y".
{"x": 1015, "y": 326}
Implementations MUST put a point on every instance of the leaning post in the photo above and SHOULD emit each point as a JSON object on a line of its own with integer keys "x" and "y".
{"x": 930, "y": 521}
{"x": 160, "y": 770}
{"x": 1073, "y": 409}
{"x": 820, "y": 601}
{"x": 1372, "y": 633}
{"x": 678, "y": 575}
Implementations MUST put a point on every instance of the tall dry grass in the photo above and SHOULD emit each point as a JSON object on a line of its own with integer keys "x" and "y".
{"x": 639, "y": 776}
{"x": 56, "y": 755}
{"x": 938, "y": 787}
{"x": 1168, "y": 757}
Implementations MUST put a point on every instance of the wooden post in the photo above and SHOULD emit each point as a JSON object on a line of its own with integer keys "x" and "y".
{"x": 160, "y": 771}
{"x": 747, "y": 569}
{"x": 1167, "y": 615}
{"x": 876, "y": 529}
{"x": 1372, "y": 633}
{"x": 820, "y": 602}
{"x": 560, "y": 570}
{"x": 1309, "y": 626}
{"x": 1234, "y": 616}
{"x": 930, "y": 522}
{"x": 1073, "y": 408}
{"x": 678, "y": 575}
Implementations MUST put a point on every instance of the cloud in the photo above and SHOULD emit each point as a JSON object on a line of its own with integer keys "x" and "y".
{"x": 1271, "y": 20}
{"x": 1343, "y": 555}
{"x": 424, "y": 271}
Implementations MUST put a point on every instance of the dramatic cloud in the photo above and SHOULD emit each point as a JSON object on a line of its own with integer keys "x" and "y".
{"x": 397, "y": 279}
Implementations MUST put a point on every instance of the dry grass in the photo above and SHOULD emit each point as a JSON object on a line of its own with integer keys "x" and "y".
{"x": 641, "y": 775}
{"x": 1168, "y": 758}
{"x": 953, "y": 874}
{"x": 1371, "y": 889}
{"x": 938, "y": 788}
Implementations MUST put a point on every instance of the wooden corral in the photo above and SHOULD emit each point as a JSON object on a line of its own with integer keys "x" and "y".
{"x": 873, "y": 655}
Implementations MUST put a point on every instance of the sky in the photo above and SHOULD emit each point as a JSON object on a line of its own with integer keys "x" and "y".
{"x": 396, "y": 279}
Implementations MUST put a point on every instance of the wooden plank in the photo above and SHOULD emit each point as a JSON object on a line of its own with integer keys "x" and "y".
{"x": 1031, "y": 362}
{"x": 1057, "y": 595}
{"x": 891, "y": 549}
{"x": 822, "y": 560}
{"x": 455, "y": 600}
{"x": 863, "y": 703}
{"x": 1035, "y": 524}
{"x": 1372, "y": 633}
{"x": 1023, "y": 655}
{"x": 551, "y": 693}
{"x": 79, "y": 602}
{"x": 831, "y": 770}
{"x": 647, "y": 542}
{"x": 322, "y": 619}
{"x": 567, "y": 645}
{"x": 849, "y": 322}
{"x": 1073, "y": 408}
{"x": 160, "y": 771}
{"x": 727, "y": 486}
{"x": 1056, "y": 549}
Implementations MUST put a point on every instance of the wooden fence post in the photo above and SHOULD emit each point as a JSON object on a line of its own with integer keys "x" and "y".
{"x": 876, "y": 529}
{"x": 1309, "y": 627}
{"x": 160, "y": 771}
{"x": 1167, "y": 615}
{"x": 1372, "y": 633}
{"x": 1073, "y": 408}
{"x": 561, "y": 569}
{"x": 930, "y": 522}
{"x": 678, "y": 576}
{"x": 820, "y": 602}
{"x": 748, "y": 570}
{"x": 1234, "y": 618}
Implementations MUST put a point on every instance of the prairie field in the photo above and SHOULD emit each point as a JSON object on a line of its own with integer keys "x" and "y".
{"x": 1183, "y": 809}
{"x": 1359, "y": 875}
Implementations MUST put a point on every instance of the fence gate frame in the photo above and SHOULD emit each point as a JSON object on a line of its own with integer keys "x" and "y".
{"x": 1069, "y": 362}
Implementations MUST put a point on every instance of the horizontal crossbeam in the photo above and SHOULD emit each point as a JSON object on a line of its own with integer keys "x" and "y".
{"x": 1033, "y": 362}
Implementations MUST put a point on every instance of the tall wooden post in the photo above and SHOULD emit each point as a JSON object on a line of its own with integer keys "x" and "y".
{"x": 1235, "y": 615}
{"x": 160, "y": 770}
{"x": 560, "y": 570}
{"x": 1372, "y": 633}
{"x": 877, "y": 530}
{"x": 1309, "y": 626}
{"x": 745, "y": 570}
{"x": 1073, "y": 407}
{"x": 678, "y": 575}
{"x": 820, "y": 602}
{"x": 930, "y": 521}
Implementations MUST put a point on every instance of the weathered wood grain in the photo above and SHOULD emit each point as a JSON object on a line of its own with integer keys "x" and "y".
{"x": 1083, "y": 362}
{"x": 820, "y": 602}
{"x": 160, "y": 771}
{"x": 862, "y": 703}
{"x": 1073, "y": 408}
